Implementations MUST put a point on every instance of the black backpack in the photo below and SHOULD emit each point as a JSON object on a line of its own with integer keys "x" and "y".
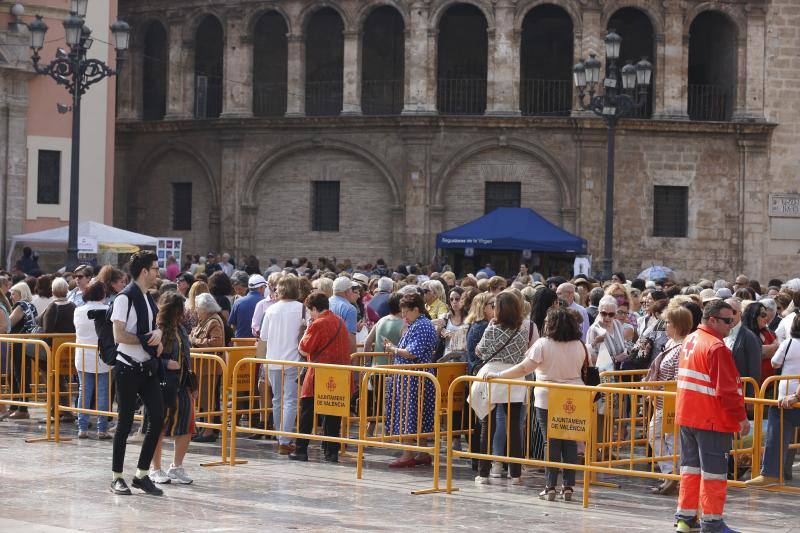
{"x": 106, "y": 347}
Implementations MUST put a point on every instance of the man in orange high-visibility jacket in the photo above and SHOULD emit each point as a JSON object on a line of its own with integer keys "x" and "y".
{"x": 709, "y": 409}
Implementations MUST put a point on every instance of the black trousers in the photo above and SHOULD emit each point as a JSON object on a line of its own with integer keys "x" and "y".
{"x": 331, "y": 426}
{"x": 131, "y": 382}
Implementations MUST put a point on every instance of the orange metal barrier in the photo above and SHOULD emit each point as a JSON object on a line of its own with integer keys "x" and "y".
{"x": 26, "y": 367}
{"x": 332, "y": 394}
{"x": 210, "y": 404}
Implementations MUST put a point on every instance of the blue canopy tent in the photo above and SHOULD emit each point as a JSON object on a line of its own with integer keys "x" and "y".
{"x": 512, "y": 228}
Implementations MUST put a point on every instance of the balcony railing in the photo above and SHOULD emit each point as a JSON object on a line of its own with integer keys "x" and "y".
{"x": 461, "y": 96}
{"x": 324, "y": 98}
{"x": 382, "y": 97}
{"x": 269, "y": 99}
{"x": 711, "y": 102}
{"x": 546, "y": 97}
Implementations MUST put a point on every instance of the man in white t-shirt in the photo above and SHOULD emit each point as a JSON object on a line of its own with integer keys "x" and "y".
{"x": 136, "y": 372}
{"x": 279, "y": 340}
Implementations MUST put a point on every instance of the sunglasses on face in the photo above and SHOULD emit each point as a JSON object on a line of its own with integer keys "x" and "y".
{"x": 727, "y": 320}
{"x": 609, "y": 315}
{"x": 455, "y": 299}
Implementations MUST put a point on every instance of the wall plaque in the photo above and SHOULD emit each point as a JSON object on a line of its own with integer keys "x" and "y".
{"x": 784, "y": 205}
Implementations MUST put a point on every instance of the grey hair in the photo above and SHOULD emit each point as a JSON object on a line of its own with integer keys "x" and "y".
{"x": 60, "y": 287}
{"x": 607, "y": 300}
{"x": 770, "y": 304}
{"x": 206, "y": 302}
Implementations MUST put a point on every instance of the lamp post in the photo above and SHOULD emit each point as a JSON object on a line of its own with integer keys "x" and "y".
{"x": 76, "y": 73}
{"x": 612, "y": 105}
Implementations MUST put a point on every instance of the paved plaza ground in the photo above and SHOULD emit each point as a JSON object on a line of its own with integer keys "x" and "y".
{"x": 48, "y": 487}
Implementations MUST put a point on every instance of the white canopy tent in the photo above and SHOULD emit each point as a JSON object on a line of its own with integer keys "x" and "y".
{"x": 107, "y": 237}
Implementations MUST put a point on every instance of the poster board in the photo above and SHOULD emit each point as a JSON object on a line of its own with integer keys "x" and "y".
{"x": 167, "y": 246}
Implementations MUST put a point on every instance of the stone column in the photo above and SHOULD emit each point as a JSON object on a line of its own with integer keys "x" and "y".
{"x": 16, "y": 152}
{"x": 296, "y": 76}
{"x": 238, "y": 68}
{"x": 419, "y": 95}
{"x": 129, "y": 83}
{"x": 675, "y": 70}
{"x": 753, "y": 210}
{"x": 417, "y": 189}
{"x": 351, "y": 101}
{"x": 752, "y": 54}
{"x": 181, "y": 59}
{"x": 659, "y": 76}
{"x": 588, "y": 40}
{"x": 503, "y": 77}
{"x": 230, "y": 177}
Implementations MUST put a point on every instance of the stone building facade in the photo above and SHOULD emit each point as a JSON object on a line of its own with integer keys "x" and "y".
{"x": 362, "y": 128}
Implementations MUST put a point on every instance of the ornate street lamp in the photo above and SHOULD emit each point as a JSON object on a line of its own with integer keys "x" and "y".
{"x": 616, "y": 101}
{"x": 76, "y": 73}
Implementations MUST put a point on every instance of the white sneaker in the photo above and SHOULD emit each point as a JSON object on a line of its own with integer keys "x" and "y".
{"x": 480, "y": 480}
{"x": 497, "y": 469}
{"x": 159, "y": 476}
{"x": 516, "y": 480}
{"x": 178, "y": 474}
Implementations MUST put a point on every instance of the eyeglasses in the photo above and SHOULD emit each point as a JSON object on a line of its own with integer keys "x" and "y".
{"x": 609, "y": 315}
{"x": 491, "y": 304}
{"x": 455, "y": 299}
{"x": 621, "y": 312}
{"x": 727, "y": 320}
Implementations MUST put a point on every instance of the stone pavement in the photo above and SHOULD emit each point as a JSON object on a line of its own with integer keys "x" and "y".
{"x": 48, "y": 487}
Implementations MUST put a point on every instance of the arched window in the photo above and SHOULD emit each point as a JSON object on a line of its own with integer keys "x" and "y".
{"x": 712, "y": 67}
{"x": 324, "y": 63}
{"x": 546, "y": 62}
{"x": 383, "y": 62}
{"x": 208, "y": 57}
{"x": 638, "y": 41}
{"x": 270, "y": 57}
{"x": 154, "y": 72}
{"x": 462, "y": 61}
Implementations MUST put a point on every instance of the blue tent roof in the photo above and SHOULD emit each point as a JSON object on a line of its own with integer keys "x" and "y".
{"x": 512, "y": 228}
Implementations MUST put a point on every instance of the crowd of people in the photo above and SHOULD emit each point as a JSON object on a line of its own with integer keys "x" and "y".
{"x": 548, "y": 330}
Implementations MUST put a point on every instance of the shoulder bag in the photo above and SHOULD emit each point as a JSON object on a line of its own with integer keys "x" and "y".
{"x": 589, "y": 373}
{"x": 480, "y": 364}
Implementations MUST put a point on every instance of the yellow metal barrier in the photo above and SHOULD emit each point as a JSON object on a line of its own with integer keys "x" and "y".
{"x": 332, "y": 393}
{"x": 26, "y": 369}
{"x": 68, "y": 394}
{"x": 210, "y": 400}
{"x": 770, "y": 388}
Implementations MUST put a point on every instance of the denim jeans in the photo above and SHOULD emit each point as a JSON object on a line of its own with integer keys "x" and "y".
{"x": 777, "y": 443}
{"x": 283, "y": 382}
{"x": 499, "y": 438}
{"x": 85, "y": 395}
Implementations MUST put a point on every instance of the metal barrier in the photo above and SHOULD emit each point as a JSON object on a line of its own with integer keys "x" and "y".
{"x": 770, "y": 387}
{"x": 210, "y": 400}
{"x": 26, "y": 365}
{"x": 90, "y": 384}
{"x": 333, "y": 387}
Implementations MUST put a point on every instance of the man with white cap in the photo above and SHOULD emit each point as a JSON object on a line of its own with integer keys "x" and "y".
{"x": 243, "y": 308}
{"x": 378, "y": 307}
{"x": 341, "y": 305}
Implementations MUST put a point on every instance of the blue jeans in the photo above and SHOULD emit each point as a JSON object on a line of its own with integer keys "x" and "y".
{"x": 499, "y": 439}
{"x": 284, "y": 399}
{"x": 88, "y": 380}
{"x": 777, "y": 443}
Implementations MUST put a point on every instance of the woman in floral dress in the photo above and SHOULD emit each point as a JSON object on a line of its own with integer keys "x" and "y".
{"x": 401, "y": 400}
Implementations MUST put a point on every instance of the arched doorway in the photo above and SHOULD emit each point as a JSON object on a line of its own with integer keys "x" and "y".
{"x": 383, "y": 62}
{"x": 154, "y": 72}
{"x": 324, "y": 63}
{"x": 462, "y": 64}
{"x": 638, "y": 41}
{"x": 712, "y": 67}
{"x": 208, "y": 57}
{"x": 546, "y": 62}
{"x": 270, "y": 57}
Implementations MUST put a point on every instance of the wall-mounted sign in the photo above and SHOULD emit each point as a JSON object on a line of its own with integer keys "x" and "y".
{"x": 784, "y": 205}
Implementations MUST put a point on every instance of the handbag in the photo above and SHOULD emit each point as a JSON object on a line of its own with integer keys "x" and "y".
{"x": 589, "y": 374}
{"x": 480, "y": 364}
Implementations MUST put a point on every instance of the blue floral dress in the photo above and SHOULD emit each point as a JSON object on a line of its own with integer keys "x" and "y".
{"x": 401, "y": 398}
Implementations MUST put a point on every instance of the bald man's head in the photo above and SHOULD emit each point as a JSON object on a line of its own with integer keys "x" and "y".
{"x": 566, "y": 292}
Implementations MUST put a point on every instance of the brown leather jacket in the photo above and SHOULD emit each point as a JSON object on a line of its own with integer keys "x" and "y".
{"x": 208, "y": 334}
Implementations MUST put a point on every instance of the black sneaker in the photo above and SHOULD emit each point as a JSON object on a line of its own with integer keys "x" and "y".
{"x": 331, "y": 458}
{"x": 298, "y": 456}
{"x": 118, "y": 486}
{"x": 145, "y": 484}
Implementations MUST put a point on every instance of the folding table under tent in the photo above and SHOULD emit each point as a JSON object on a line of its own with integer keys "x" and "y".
{"x": 512, "y": 229}
{"x": 109, "y": 239}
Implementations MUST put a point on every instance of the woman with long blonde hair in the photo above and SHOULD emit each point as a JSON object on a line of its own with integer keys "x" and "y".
{"x": 190, "y": 313}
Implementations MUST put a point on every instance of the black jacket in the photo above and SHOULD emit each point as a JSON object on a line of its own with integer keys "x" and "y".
{"x": 747, "y": 350}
